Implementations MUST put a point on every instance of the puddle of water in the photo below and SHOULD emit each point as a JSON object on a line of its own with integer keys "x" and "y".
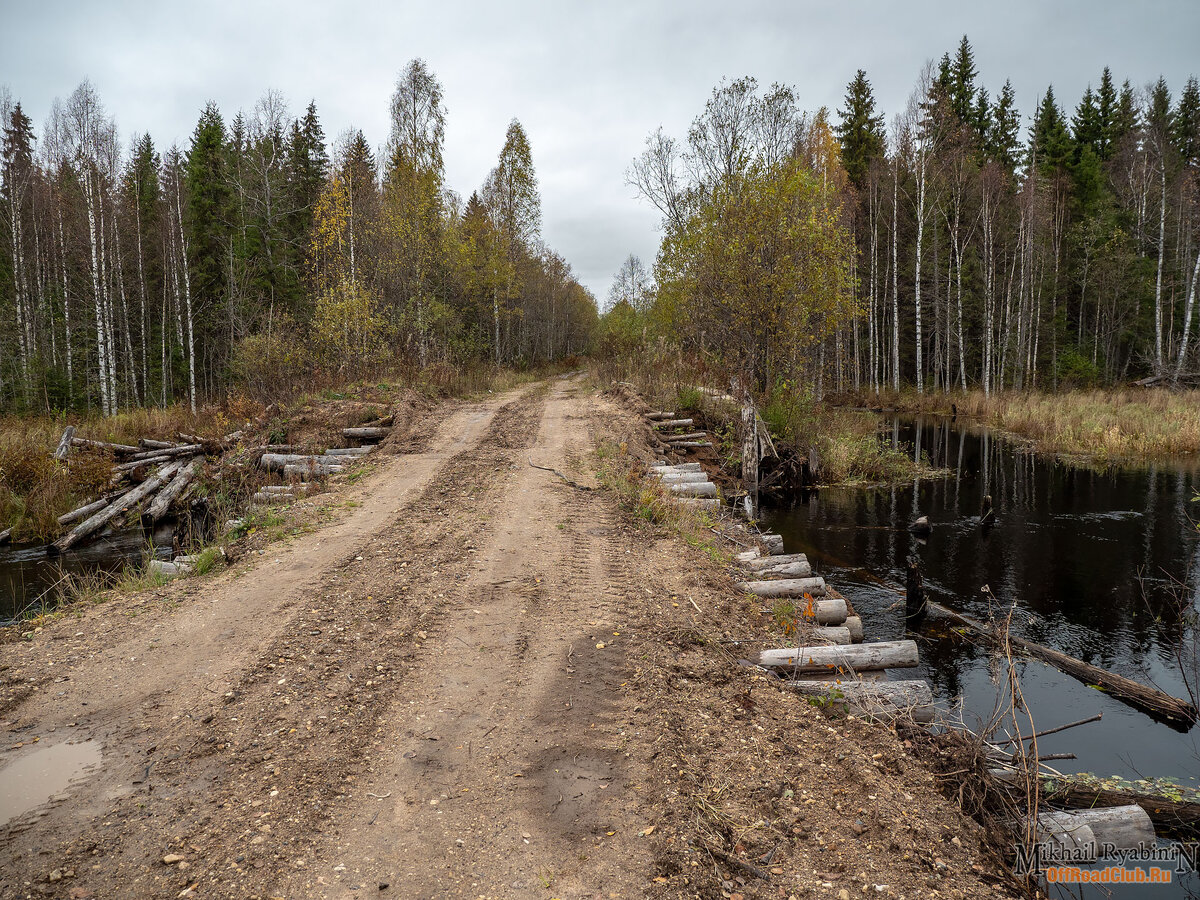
{"x": 38, "y": 778}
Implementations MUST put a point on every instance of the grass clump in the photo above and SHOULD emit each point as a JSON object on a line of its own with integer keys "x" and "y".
{"x": 1103, "y": 425}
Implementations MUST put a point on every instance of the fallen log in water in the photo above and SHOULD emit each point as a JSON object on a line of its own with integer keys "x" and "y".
{"x": 673, "y": 423}
{"x": 88, "y": 508}
{"x": 1089, "y": 830}
{"x": 375, "y": 433}
{"x": 1177, "y": 818}
{"x": 122, "y": 504}
{"x": 167, "y": 496}
{"x": 785, "y": 587}
{"x": 878, "y": 699}
{"x": 6, "y": 535}
{"x": 64, "y": 443}
{"x": 1179, "y": 714}
{"x": 853, "y": 658}
{"x": 854, "y": 626}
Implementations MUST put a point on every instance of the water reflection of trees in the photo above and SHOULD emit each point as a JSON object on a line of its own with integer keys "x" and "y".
{"x": 1088, "y": 555}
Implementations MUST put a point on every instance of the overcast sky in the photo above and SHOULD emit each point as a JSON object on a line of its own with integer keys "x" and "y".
{"x": 588, "y": 81}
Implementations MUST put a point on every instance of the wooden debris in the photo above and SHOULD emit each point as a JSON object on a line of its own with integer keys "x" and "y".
{"x": 104, "y": 445}
{"x": 64, "y": 443}
{"x": 784, "y": 587}
{"x": 696, "y": 489}
{"x": 1179, "y": 714}
{"x": 167, "y": 496}
{"x": 122, "y": 504}
{"x": 672, "y": 423}
{"x": 852, "y": 658}
{"x": 1087, "y": 831}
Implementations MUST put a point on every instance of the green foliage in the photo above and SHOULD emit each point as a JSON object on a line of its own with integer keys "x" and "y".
{"x": 860, "y": 129}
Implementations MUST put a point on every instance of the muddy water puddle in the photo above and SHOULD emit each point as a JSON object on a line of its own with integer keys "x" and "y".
{"x": 43, "y": 775}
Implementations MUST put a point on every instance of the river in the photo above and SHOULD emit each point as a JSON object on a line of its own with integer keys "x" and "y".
{"x": 1101, "y": 564}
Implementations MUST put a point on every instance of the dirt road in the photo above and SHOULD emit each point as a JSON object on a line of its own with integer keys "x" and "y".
{"x": 478, "y": 682}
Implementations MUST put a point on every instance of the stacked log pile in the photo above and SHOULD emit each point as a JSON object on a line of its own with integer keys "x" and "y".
{"x": 156, "y": 477}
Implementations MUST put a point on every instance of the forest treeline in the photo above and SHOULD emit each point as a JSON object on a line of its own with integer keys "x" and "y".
{"x": 262, "y": 257}
{"x": 954, "y": 248}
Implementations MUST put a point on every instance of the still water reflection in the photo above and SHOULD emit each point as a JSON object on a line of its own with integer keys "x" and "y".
{"x": 1100, "y": 564}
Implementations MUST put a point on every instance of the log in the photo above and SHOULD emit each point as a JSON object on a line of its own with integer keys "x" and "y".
{"x": 87, "y": 509}
{"x": 785, "y": 570}
{"x": 677, "y": 467}
{"x": 774, "y": 543}
{"x": 64, "y": 443}
{"x": 683, "y": 478}
{"x": 748, "y": 556}
{"x": 829, "y": 634}
{"x": 156, "y": 445}
{"x": 6, "y": 535}
{"x": 757, "y": 563}
{"x": 1178, "y": 714}
{"x": 702, "y": 502}
{"x": 269, "y": 497}
{"x": 879, "y": 699}
{"x": 685, "y": 438}
{"x": 307, "y": 472}
{"x": 102, "y": 445}
{"x": 673, "y": 423}
{"x": 698, "y": 489}
{"x": 167, "y": 496}
{"x": 376, "y": 433}
{"x": 830, "y": 611}
{"x": 1088, "y": 831}
{"x": 659, "y": 416}
{"x": 284, "y": 488}
{"x": 137, "y": 463}
{"x": 171, "y": 451}
{"x": 348, "y": 451}
{"x": 122, "y": 504}
{"x": 855, "y": 627}
{"x": 276, "y": 461}
{"x": 785, "y": 587}
{"x": 853, "y": 658}
{"x": 1176, "y": 818}
{"x": 690, "y": 445}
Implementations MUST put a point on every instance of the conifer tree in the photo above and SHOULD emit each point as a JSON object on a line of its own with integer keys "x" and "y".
{"x": 860, "y": 129}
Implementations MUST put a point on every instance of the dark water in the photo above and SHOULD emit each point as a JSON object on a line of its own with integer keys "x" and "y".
{"x": 1103, "y": 565}
{"x": 28, "y": 573}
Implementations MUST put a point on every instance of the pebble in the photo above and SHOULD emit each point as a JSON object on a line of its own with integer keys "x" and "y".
{"x": 172, "y": 859}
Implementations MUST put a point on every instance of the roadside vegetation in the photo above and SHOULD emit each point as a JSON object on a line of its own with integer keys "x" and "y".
{"x": 1100, "y": 425}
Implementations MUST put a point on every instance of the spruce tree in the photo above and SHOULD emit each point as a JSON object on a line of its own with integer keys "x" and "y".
{"x": 860, "y": 130}
{"x": 1004, "y": 129}
{"x": 1186, "y": 124}
{"x": 1050, "y": 142}
{"x": 1106, "y": 110}
{"x": 962, "y": 83}
{"x": 206, "y": 215}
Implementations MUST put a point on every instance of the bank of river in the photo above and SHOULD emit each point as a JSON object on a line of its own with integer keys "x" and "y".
{"x": 1101, "y": 565}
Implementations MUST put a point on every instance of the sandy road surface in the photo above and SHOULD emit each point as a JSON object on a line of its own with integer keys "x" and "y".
{"x": 479, "y": 682}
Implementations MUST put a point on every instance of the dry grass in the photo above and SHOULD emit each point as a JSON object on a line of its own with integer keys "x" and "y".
{"x": 1105, "y": 425}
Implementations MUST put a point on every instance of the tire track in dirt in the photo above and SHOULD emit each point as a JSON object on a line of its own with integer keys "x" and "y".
{"x": 507, "y": 774}
{"x": 192, "y": 767}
